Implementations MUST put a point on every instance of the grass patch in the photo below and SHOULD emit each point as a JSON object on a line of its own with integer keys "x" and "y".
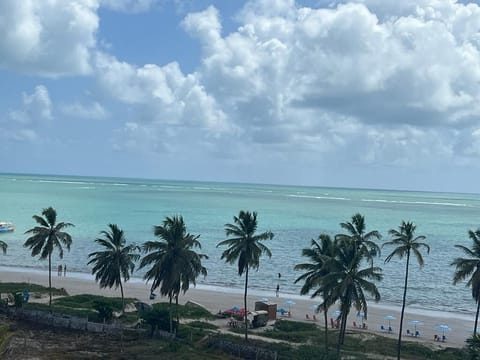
{"x": 83, "y": 306}
{"x": 32, "y": 288}
{"x": 203, "y": 325}
{"x": 86, "y": 301}
{"x": 186, "y": 312}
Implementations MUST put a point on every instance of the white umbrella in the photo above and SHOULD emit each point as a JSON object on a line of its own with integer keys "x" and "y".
{"x": 289, "y": 303}
{"x": 416, "y": 323}
{"x": 336, "y": 313}
{"x": 443, "y": 328}
{"x": 389, "y": 318}
{"x": 263, "y": 299}
{"x": 361, "y": 315}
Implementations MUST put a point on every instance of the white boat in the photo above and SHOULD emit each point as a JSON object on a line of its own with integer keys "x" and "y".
{"x": 6, "y": 226}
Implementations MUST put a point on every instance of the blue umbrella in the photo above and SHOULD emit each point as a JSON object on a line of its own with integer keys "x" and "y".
{"x": 361, "y": 315}
{"x": 416, "y": 323}
{"x": 443, "y": 328}
{"x": 289, "y": 303}
{"x": 389, "y": 318}
{"x": 336, "y": 313}
{"x": 315, "y": 308}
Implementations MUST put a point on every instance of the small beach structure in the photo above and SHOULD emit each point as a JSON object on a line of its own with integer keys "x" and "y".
{"x": 269, "y": 307}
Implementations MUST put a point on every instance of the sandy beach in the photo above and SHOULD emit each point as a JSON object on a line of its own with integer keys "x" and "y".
{"x": 215, "y": 299}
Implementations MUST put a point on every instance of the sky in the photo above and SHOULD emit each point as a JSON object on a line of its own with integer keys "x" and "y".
{"x": 361, "y": 93}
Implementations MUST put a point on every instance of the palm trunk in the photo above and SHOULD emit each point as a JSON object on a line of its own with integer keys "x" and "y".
{"x": 245, "y": 305}
{"x": 50, "y": 279}
{"x": 325, "y": 318}
{"x": 170, "y": 312}
{"x": 339, "y": 343}
{"x": 476, "y": 318}
{"x": 343, "y": 327}
{"x": 341, "y": 330}
{"x": 123, "y": 300}
{"x": 176, "y": 311}
{"x": 399, "y": 346}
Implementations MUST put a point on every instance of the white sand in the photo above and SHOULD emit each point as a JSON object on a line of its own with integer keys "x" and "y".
{"x": 216, "y": 299}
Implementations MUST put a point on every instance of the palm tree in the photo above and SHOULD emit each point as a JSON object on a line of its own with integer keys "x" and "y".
{"x": 46, "y": 237}
{"x": 3, "y": 247}
{"x": 364, "y": 241}
{"x": 174, "y": 263}
{"x": 406, "y": 243}
{"x": 320, "y": 253}
{"x": 245, "y": 247}
{"x": 115, "y": 262}
{"x": 348, "y": 282}
{"x": 470, "y": 267}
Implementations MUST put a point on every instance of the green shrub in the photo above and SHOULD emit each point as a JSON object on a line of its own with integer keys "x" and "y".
{"x": 105, "y": 310}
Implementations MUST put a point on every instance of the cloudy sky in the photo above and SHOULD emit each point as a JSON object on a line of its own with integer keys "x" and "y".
{"x": 360, "y": 93}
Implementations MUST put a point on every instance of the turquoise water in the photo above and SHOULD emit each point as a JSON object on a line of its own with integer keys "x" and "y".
{"x": 295, "y": 215}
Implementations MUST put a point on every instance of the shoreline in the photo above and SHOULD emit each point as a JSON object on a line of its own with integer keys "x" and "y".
{"x": 216, "y": 298}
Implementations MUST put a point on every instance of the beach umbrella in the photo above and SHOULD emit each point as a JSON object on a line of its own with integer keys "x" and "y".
{"x": 416, "y": 323}
{"x": 264, "y": 299}
{"x": 443, "y": 328}
{"x": 389, "y": 318}
{"x": 281, "y": 311}
{"x": 336, "y": 313}
{"x": 314, "y": 307}
{"x": 289, "y": 303}
{"x": 361, "y": 315}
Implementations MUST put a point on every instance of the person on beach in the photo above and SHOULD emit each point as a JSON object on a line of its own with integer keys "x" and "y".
{"x": 278, "y": 290}
{"x": 65, "y": 270}
{"x": 60, "y": 270}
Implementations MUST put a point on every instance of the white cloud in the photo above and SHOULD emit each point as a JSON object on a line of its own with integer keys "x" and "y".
{"x": 49, "y": 38}
{"x": 36, "y": 106}
{"x": 129, "y": 6}
{"x": 306, "y": 79}
{"x": 164, "y": 96}
{"x": 35, "y": 112}
{"x": 93, "y": 110}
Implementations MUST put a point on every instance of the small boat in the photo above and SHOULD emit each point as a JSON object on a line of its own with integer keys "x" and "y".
{"x": 6, "y": 227}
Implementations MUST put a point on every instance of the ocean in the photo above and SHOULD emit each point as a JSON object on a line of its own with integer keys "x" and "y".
{"x": 295, "y": 214}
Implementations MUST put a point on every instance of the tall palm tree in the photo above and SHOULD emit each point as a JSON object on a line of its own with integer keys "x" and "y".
{"x": 348, "y": 282}
{"x": 319, "y": 254}
{"x": 406, "y": 243}
{"x": 470, "y": 268}
{"x": 245, "y": 248}
{"x": 174, "y": 262}
{"x": 46, "y": 237}
{"x": 116, "y": 261}
{"x": 365, "y": 241}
